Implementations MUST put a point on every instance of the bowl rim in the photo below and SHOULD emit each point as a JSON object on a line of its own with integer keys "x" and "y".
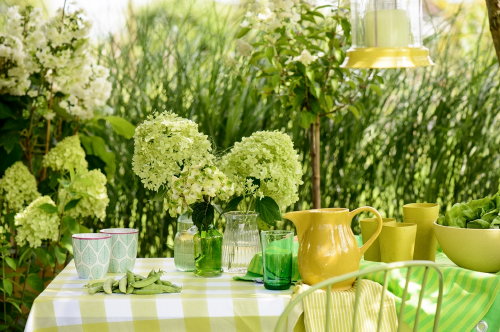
{"x": 468, "y": 229}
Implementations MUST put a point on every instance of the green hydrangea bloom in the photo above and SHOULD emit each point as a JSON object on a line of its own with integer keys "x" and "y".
{"x": 165, "y": 145}
{"x": 18, "y": 187}
{"x": 35, "y": 225}
{"x": 67, "y": 155}
{"x": 269, "y": 157}
{"x": 90, "y": 188}
{"x": 194, "y": 184}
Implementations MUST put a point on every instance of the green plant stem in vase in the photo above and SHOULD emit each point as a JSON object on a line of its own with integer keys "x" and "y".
{"x": 208, "y": 253}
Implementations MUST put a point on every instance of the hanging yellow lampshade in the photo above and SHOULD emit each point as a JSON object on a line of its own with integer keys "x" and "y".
{"x": 386, "y": 34}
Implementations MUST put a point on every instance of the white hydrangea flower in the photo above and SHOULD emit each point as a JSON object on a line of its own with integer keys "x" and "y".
{"x": 34, "y": 224}
{"x": 306, "y": 58}
{"x": 90, "y": 188}
{"x": 268, "y": 15}
{"x": 66, "y": 155}
{"x": 59, "y": 51}
{"x": 14, "y": 78}
{"x": 267, "y": 156}
{"x": 195, "y": 184}
{"x": 165, "y": 145}
{"x": 18, "y": 187}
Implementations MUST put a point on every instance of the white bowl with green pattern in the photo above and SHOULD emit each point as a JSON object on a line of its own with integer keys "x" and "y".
{"x": 92, "y": 252}
{"x": 123, "y": 248}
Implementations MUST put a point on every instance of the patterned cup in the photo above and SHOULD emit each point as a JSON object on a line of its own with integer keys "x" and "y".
{"x": 123, "y": 248}
{"x": 92, "y": 252}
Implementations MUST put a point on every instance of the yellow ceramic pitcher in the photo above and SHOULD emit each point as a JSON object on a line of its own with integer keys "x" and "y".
{"x": 327, "y": 246}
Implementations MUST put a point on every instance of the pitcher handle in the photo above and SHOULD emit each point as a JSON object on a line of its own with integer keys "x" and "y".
{"x": 368, "y": 243}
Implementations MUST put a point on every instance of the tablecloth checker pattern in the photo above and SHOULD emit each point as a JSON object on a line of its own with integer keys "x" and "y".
{"x": 205, "y": 304}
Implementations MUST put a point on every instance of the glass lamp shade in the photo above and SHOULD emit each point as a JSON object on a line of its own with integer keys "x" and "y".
{"x": 386, "y": 34}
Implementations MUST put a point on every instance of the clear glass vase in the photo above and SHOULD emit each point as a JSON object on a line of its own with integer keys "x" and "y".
{"x": 183, "y": 244}
{"x": 208, "y": 253}
{"x": 241, "y": 241}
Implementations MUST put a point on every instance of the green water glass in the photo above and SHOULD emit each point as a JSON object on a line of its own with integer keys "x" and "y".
{"x": 277, "y": 258}
{"x": 208, "y": 253}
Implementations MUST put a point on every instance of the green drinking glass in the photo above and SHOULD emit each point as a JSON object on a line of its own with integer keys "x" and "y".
{"x": 277, "y": 258}
{"x": 208, "y": 253}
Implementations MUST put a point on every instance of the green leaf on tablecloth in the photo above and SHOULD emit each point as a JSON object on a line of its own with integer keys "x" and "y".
{"x": 203, "y": 215}
{"x": 35, "y": 282}
{"x": 71, "y": 204}
{"x": 7, "y": 286}
{"x": 268, "y": 210}
{"x": 49, "y": 208}
{"x": 11, "y": 263}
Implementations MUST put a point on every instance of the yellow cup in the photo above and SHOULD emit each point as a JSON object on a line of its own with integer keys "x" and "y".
{"x": 397, "y": 242}
{"x": 368, "y": 228}
{"x": 424, "y": 215}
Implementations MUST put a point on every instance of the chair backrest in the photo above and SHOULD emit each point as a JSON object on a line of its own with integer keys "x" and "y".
{"x": 381, "y": 274}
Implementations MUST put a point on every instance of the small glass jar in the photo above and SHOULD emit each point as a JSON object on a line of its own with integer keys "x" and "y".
{"x": 208, "y": 253}
{"x": 183, "y": 244}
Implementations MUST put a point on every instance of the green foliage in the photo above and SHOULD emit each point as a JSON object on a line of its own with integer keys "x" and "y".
{"x": 410, "y": 135}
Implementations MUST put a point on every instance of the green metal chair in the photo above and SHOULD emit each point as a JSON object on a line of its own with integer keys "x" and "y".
{"x": 386, "y": 269}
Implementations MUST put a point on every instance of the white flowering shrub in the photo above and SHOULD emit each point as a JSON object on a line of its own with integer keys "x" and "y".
{"x": 35, "y": 224}
{"x": 52, "y": 62}
{"x": 18, "y": 187}
{"x": 66, "y": 155}
{"x": 265, "y": 164}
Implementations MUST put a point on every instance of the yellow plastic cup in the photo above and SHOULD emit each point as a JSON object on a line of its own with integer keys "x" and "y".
{"x": 397, "y": 242}
{"x": 424, "y": 215}
{"x": 368, "y": 228}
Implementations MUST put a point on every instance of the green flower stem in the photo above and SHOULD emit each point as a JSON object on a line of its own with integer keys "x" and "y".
{"x": 26, "y": 277}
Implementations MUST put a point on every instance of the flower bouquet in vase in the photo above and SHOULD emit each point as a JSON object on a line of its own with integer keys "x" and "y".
{"x": 266, "y": 172}
{"x": 173, "y": 158}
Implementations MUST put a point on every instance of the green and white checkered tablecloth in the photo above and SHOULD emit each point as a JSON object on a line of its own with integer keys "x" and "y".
{"x": 205, "y": 304}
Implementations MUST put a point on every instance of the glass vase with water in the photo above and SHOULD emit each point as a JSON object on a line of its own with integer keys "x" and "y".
{"x": 240, "y": 242}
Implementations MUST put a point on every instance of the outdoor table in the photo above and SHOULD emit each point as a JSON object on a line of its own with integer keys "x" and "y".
{"x": 205, "y": 304}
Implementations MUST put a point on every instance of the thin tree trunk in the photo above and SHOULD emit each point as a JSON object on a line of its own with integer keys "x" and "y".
{"x": 314, "y": 132}
{"x": 494, "y": 17}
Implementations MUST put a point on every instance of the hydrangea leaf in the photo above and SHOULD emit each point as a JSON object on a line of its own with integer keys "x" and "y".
{"x": 268, "y": 210}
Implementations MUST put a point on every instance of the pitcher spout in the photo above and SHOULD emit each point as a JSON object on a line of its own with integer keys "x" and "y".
{"x": 301, "y": 220}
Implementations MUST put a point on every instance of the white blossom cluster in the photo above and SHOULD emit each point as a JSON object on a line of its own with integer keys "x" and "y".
{"x": 90, "y": 188}
{"x": 67, "y": 155}
{"x": 193, "y": 185}
{"x": 18, "y": 187}
{"x": 35, "y": 224}
{"x": 269, "y": 157}
{"x": 271, "y": 14}
{"x": 43, "y": 59}
{"x": 171, "y": 153}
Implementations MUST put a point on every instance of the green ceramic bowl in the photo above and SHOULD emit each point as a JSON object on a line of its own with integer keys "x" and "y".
{"x": 474, "y": 249}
